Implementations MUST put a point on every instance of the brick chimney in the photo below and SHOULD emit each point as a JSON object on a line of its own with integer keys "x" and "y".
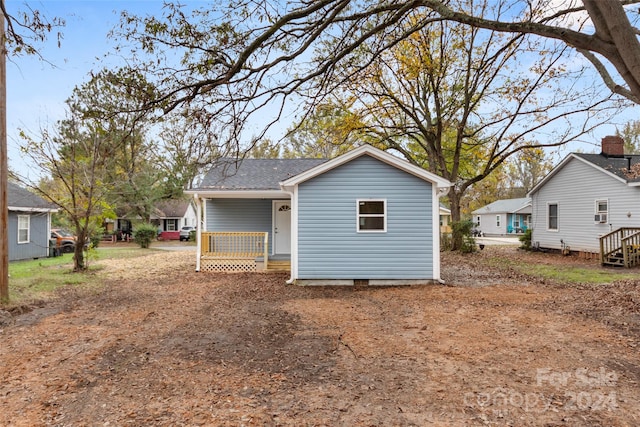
{"x": 613, "y": 146}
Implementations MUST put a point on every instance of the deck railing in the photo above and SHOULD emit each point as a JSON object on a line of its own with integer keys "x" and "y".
{"x": 622, "y": 244}
{"x": 235, "y": 245}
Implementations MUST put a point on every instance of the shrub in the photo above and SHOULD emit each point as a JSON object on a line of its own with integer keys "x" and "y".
{"x": 462, "y": 232}
{"x": 144, "y": 234}
{"x": 525, "y": 239}
{"x": 445, "y": 242}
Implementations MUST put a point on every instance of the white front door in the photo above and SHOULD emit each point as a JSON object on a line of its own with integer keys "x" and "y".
{"x": 282, "y": 227}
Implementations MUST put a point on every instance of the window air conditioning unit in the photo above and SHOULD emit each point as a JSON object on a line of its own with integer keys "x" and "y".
{"x": 601, "y": 218}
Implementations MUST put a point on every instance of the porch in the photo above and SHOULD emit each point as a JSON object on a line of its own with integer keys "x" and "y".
{"x": 621, "y": 247}
{"x": 235, "y": 252}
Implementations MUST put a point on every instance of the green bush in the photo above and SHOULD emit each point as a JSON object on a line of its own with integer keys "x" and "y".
{"x": 462, "y": 234}
{"x": 525, "y": 239}
{"x": 445, "y": 242}
{"x": 144, "y": 234}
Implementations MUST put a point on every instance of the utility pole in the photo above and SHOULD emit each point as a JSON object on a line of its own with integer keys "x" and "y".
{"x": 4, "y": 173}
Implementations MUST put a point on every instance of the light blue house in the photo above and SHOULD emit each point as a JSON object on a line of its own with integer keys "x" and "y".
{"x": 363, "y": 217}
{"x": 506, "y": 216}
{"x": 29, "y": 224}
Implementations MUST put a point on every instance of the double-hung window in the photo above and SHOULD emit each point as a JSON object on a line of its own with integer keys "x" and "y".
{"x": 498, "y": 220}
{"x": 23, "y": 228}
{"x": 372, "y": 216}
{"x": 552, "y": 216}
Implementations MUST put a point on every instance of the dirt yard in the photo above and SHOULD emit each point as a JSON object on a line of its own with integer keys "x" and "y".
{"x": 163, "y": 345}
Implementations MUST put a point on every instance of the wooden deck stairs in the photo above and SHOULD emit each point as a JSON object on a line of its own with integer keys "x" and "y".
{"x": 621, "y": 247}
{"x": 278, "y": 265}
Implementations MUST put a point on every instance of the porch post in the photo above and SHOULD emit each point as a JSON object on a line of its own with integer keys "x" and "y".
{"x": 198, "y": 230}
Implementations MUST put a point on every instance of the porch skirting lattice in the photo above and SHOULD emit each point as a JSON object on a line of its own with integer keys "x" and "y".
{"x": 228, "y": 265}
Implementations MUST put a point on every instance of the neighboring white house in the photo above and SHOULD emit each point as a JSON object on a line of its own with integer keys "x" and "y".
{"x": 585, "y": 197}
{"x": 502, "y": 217}
{"x": 445, "y": 219}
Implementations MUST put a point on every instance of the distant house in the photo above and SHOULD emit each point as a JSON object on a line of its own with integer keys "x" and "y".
{"x": 363, "y": 217}
{"x": 171, "y": 215}
{"x": 29, "y": 224}
{"x": 585, "y": 197}
{"x": 445, "y": 219}
{"x": 502, "y": 217}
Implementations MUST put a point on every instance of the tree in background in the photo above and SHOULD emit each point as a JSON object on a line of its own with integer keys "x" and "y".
{"x": 527, "y": 168}
{"x": 631, "y": 135}
{"x": 324, "y": 132}
{"x": 112, "y": 100}
{"x": 597, "y": 29}
{"x": 459, "y": 102}
{"x": 73, "y": 161}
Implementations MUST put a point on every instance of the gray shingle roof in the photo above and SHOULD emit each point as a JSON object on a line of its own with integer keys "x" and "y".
{"x": 19, "y": 197}
{"x": 505, "y": 205}
{"x": 615, "y": 165}
{"x": 254, "y": 174}
{"x": 171, "y": 208}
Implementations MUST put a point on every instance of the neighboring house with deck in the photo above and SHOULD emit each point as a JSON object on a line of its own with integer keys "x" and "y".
{"x": 363, "y": 217}
{"x": 29, "y": 225}
{"x": 506, "y": 216}
{"x": 590, "y": 203}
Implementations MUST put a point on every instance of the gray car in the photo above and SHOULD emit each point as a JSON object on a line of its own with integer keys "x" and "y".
{"x": 185, "y": 232}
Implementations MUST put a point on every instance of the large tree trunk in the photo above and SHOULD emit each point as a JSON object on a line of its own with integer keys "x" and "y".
{"x": 454, "y": 200}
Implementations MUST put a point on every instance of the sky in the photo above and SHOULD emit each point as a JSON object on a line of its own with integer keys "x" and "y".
{"x": 37, "y": 88}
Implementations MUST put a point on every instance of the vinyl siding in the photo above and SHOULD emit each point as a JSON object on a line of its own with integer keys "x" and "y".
{"x": 239, "y": 215}
{"x": 329, "y": 247}
{"x": 38, "y": 237}
{"x": 575, "y": 188}
{"x": 488, "y": 223}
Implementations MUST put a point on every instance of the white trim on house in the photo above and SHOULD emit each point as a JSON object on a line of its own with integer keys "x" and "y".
{"x": 294, "y": 234}
{"x": 240, "y": 194}
{"x": 199, "y": 228}
{"x": 557, "y": 229}
{"x": 435, "y": 213}
{"x": 28, "y": 228}
{"x": 359, "y": 215}
{"x": 19, "y": 209}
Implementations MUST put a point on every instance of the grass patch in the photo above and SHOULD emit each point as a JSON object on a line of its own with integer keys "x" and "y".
{"x": 37, "y": 280}
{"x": 563, "y": 273}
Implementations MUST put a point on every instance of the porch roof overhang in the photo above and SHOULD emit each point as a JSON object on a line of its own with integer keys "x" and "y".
{"x": 238, "y": 194}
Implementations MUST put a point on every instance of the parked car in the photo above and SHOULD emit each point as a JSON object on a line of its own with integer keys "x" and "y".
{"x": 65, "y": 241}
{"x": 185, "y": 232}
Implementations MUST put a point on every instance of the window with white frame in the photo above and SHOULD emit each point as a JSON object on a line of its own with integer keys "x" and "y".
{"x": 552, "y": 216}
{"x": 497, "y": 220}
{"x": 372, "y": 215}
{"x": 602, "y": 211}
{"x": 172, "y": 224}
{"x": 24, "y": 222}
{"x": 478, "y": 221}
{"x": 516, "y": 221}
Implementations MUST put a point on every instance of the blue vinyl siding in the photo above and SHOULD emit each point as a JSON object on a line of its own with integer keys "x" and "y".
{"x": 38, "y": 237}
{"x": 239, "y": 215}
{"x": 329, "y": 246}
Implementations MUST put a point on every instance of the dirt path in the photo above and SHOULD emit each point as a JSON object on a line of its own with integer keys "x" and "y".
{"x": 163, "y": 345}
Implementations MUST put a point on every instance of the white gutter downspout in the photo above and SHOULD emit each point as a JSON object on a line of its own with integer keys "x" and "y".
{"x": 198, "y": 230}
{"x": 294, "y": 232}
{"x": 438, "y": 192}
